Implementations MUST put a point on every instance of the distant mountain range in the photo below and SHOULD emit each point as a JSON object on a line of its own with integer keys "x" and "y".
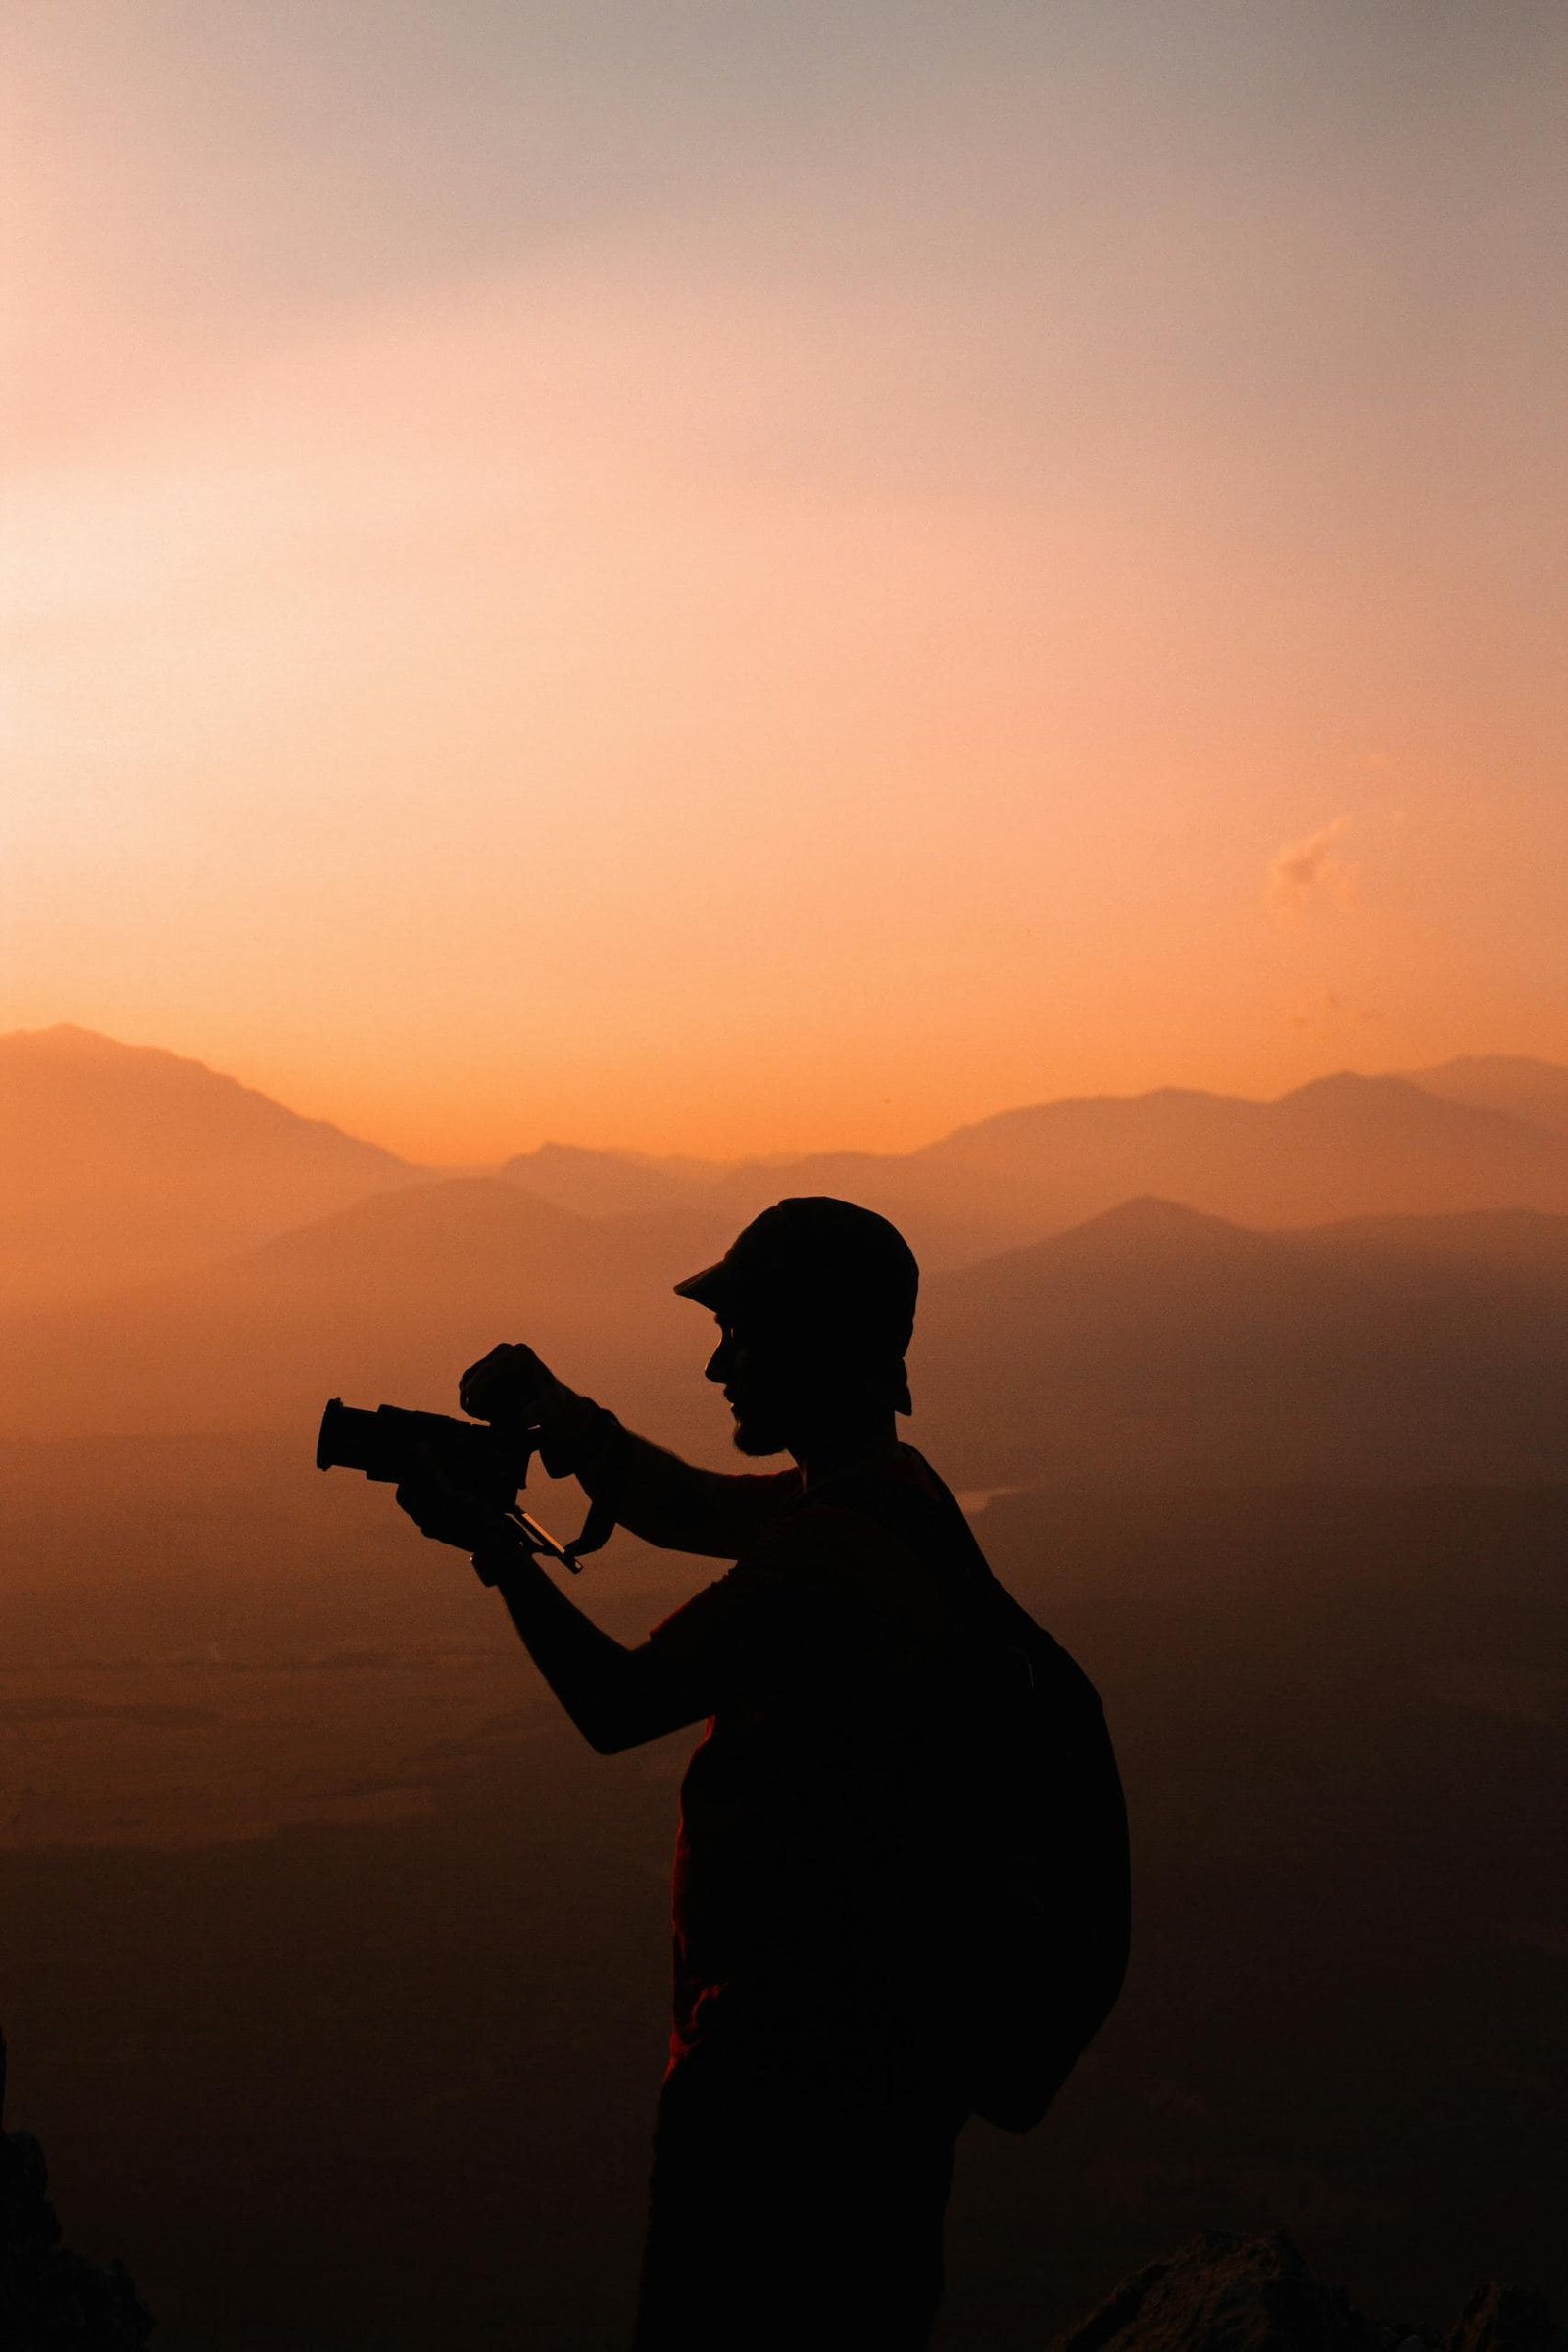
{"x": 1156, "y": 1342}
{"x": 384, "y": 1301}
{"x": 611, "y": 1184}
{"x": 1342, "y": 1146}
{"x": 1534, "y": 1091}
{"x": 1366, "y": 1278}
{"x": 1152, "y": 1341}
{"x": 120, "y": 1164}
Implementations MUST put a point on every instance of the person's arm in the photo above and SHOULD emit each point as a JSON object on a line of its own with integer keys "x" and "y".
{"x": 653, "y": 1493}
{"x": 802, "y": 1614}
{"x": 672, "y": 1503}
{"x": 618, "y": 1698}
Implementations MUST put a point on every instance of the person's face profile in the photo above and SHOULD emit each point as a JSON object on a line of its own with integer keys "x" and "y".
{"x": 759, "y": 1379}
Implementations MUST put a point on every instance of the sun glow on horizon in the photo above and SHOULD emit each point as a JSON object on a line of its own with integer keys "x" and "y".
{"x": 853, "y": 618}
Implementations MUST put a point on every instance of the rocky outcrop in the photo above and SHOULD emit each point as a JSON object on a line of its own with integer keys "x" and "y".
{"x": 52, "y": 2300}
{"x": 1507, "y": 2319}
{"x": 1230, "y": 2293}
{"x": 1225, "y": 2293}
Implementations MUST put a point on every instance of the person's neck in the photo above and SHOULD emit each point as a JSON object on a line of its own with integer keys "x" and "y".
{"x": 825, "y": 1453}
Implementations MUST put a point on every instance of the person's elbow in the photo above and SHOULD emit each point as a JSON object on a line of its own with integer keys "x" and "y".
{"x": 635, "y": 1709}
{"x": 612, "y": 1738}
{"x": 614, "y": 1730}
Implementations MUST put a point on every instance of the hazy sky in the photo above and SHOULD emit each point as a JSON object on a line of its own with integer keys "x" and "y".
{"x": 738, "y": 577}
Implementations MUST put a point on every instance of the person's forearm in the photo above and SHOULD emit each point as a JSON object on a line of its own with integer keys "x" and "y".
{"x": 672, "y": 1503}
{"x": 615, "y": 1695}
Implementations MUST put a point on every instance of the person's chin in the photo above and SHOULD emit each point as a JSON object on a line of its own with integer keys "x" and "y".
{"x": 755, "y": 1440}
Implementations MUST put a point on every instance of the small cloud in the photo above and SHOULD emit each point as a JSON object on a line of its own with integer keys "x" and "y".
{"x": 1313, "y": 869}
{"x": 1328, "y": 1012}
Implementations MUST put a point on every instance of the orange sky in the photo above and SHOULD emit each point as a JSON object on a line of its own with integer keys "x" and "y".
{"x": 733, "y": 579}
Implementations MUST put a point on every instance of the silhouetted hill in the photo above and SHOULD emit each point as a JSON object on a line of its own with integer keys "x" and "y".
{"x": 51, "y": 2298}
{"x": 1483, "y": 1133}
{"x": 1342, "y": 1146}
{"x": 609, "y": 1184}
{"x": 1155, "y": 1341}
{"x": 118, "y": 1164}
{"x": 384, "y": 1301}
{"x": 1515, "y": 1083}
{"x": 1526, "y": 1241}
{"x": 1226, "y": 2291}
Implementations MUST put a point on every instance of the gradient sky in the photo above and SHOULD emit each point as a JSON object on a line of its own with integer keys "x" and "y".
{"x": 731, "y": 578}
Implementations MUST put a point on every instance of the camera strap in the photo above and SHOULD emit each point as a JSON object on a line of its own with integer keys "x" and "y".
{"x": 597, "y": 1529}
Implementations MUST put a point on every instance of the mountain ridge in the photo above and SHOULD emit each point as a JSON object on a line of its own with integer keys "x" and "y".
{"x": 120, "y": 1164}
{"x": 1344, "y": 1144}
{"x": 1152, "y": 1339}
{"x": 1523, "y": 1083}
{"x": 112, "y": 1054}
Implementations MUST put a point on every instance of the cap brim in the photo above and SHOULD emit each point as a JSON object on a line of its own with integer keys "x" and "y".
{"x": 709, "y": 1288}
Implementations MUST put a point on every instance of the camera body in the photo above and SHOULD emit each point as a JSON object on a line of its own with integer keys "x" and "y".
{"x": 384, "y": 1444}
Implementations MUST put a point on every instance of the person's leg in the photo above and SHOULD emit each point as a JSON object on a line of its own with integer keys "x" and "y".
{"x": 888, "y": 2185}
{"x": 706, "y": 2238}
{"x": 771, "y": 2229}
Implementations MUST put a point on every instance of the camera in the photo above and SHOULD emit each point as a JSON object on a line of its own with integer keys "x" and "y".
{"x": 385, "y": 1445}
{"x": 489, "y": 1462}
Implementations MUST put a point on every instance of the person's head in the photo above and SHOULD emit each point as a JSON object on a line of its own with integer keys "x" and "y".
{"x": 815, "y": 1305}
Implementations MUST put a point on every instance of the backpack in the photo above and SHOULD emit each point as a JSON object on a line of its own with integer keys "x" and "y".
{"x": 1018, "y": 1945}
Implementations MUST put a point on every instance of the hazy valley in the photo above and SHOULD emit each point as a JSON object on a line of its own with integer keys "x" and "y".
{"x": 334, "y": 1967}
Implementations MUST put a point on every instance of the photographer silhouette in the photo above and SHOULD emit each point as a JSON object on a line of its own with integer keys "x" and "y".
{"x": 839, "y": 2007}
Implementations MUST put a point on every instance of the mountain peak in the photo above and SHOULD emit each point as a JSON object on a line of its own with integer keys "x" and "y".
{"x": 102, "y": 1078}
{"x": 67, "y": 1038}
{"x": 1153, "y": 1216}
{"x": 599, "y": 1183}
{"x": 1149, "y": 1228}
{"x": 120, "y": 1162}
{"x": 1145, "y": 1231}
{"x": 1353, "y": 1086}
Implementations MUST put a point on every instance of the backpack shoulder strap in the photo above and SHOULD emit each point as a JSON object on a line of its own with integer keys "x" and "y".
{"x": 927, "y": 1517}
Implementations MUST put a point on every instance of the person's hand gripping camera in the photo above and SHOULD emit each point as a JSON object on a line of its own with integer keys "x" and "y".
{"x": 517, "y": 1395}
{"x": 513, "y": 1389}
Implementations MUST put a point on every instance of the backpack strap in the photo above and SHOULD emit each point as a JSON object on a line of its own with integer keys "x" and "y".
{"x": 929, "y": 1520}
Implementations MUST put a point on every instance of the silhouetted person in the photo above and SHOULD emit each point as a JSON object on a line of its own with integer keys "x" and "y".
{"x": 804, "y": 2139}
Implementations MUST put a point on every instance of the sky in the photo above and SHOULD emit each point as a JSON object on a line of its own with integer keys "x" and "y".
{"x": 732, "y": 578}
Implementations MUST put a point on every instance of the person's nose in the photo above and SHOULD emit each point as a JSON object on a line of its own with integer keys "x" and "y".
{"x": 717, "y": 1367}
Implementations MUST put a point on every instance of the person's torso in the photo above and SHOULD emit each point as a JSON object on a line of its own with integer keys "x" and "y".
{"x": 800, "y": 1826}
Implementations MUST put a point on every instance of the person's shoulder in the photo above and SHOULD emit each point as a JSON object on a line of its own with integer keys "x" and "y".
{"x": 843, "y": 1542}
{"x": 899, "y": 1496}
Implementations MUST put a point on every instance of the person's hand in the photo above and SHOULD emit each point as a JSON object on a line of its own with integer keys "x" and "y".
{"x": 505, "y": 1385}
{"x": 451, "y": 1514}
{"x": 511, "y": 1388}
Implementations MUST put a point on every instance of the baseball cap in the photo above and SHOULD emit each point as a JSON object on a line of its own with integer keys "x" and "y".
{"x": 820, "y": 1266}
